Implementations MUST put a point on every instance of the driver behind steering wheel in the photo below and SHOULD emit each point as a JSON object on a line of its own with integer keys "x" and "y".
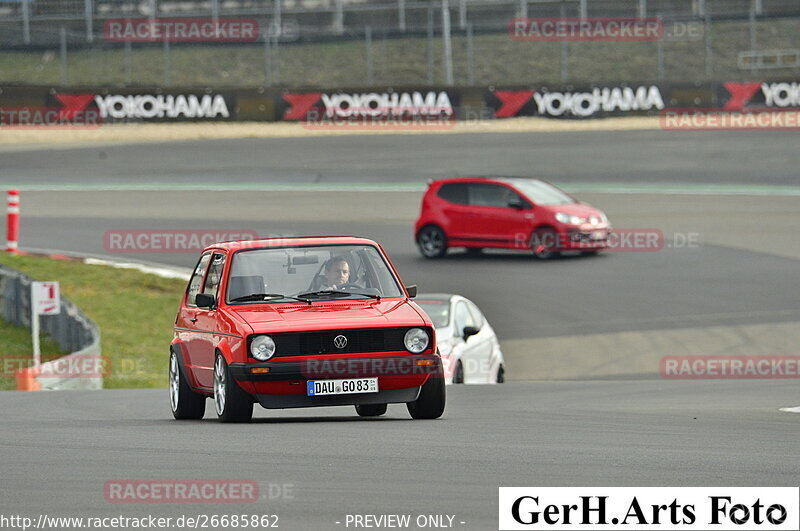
{"x": 336, "y": 274}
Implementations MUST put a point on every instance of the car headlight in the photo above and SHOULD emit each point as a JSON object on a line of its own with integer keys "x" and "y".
{"x": 569, "y": 219}
{"x": 262, "y": 347}
{"x": 416, "y": 340}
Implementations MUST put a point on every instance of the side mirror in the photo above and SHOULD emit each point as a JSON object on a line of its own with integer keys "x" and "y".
{"x": 412, "y": 291}
{"x": 517, "y": 204}
{"x": 470, "y": 331}
{"x": 204, "y": 300}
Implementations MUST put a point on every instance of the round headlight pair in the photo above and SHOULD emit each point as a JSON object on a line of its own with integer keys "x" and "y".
{"x": 416, "y": 340}
{"x": 262, "y": 348}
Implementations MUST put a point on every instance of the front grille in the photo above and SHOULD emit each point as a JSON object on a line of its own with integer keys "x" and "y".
{"x": 358, "y": 341}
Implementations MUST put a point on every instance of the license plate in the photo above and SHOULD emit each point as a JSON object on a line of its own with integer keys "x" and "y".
{"x": 342, "y": 387}
{"x": 599, "y": 235}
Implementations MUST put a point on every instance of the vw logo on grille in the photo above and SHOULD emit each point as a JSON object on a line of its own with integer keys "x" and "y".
{"x": 340, "y": 341}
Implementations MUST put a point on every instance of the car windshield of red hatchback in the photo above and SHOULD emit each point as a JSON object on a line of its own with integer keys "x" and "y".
{"x": 541, "y": 192}
{"x": 351, "y": 271}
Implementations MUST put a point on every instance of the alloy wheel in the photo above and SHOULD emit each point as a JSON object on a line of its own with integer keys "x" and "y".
{"x": 220, "y": 377}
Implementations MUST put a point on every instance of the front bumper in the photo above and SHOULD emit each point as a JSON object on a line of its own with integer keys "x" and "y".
{"x": 400, "y": 379}
{"x": 585, "y": 238}
{"x": 411, "y": 365}
{"x": 389, "y": 396}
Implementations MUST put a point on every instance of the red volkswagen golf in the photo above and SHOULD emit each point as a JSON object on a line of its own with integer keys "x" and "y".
{"x": 301, "y": 322}
{"x": 507, "y": 213}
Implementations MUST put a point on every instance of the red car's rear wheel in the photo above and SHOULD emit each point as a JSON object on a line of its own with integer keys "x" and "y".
{"x": 432, "y": 241}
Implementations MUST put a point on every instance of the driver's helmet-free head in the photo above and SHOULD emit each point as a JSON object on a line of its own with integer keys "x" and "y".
{"x": 337, "y": 270}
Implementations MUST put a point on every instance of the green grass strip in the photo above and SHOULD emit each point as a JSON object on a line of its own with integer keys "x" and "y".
{"x": 135, "y": 312}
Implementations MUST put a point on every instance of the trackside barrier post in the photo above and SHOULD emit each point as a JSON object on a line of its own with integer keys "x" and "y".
{"x": 12, "y": 227}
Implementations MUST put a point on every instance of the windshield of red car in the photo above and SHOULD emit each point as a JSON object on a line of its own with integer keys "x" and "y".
{"x": 541, "y": 192}
{"x": 358, "y": 269}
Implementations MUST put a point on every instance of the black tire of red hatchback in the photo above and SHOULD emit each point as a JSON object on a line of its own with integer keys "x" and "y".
{"x": 371, "y": 410}
{"x": 185, "y": 403}
{"x": 544, "y": 243}
{"x": 230, "y": 401}
{"x": 432, "y": 398}
{"x": 432, "y": 241}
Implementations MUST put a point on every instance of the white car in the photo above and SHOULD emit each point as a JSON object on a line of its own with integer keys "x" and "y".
{"x": 468, "y": 345}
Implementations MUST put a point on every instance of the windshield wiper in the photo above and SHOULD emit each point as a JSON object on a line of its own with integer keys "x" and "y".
{"x": 334, "y": 293}
{"x": 265, "y": 296}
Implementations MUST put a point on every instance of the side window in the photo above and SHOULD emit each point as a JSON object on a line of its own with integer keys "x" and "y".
{"x": 214, "y": 275}
{"x": 197, "y": 279}
{"x": 462, "y": 318}
{"x": 477, "y": 316}
{"x": 491, "y": 195}
{"x": 454, "y": 193}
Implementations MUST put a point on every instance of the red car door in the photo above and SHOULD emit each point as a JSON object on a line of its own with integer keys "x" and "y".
{"x": 457, "y": 213}
{"x": 186, "y": 324}
{"x": 207, "y": 326}
{"x": 495, "y": 221}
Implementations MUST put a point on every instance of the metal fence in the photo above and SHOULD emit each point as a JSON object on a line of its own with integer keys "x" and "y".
{"x": 71, "y": 329}
{"x": 394, "y": 42}
{"x": 36, "y": 22}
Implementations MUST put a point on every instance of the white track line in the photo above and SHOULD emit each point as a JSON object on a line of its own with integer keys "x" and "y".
{"x": 158, "y": 271}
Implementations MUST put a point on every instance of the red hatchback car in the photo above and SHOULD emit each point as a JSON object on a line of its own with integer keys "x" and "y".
{"x": 507, "y": 213}
{"x": 301, "y": 322}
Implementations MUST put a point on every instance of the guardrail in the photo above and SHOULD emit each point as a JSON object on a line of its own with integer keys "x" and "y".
{"x": 71, "y": 329}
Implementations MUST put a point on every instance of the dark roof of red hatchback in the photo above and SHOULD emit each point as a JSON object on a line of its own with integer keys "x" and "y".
{"x": 290, "y": 242}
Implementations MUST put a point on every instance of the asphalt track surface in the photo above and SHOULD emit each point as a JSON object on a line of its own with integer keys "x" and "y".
{"x": 624, "y": 156}
{"x": 57, "y": 452}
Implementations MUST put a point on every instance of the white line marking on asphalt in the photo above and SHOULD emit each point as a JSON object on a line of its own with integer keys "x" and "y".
{"x": 791, "y": 409}
{"x": 161, "y": 272}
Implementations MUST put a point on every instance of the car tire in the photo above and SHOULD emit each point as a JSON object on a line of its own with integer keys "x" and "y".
{"x": 230, "y": 401}
{"x": 501, "y": 374}
{"x": 432, "y": 398}
{"x": 544, "y": 243}
{"x": 185, "y": 403}
{"x": 432, "y": 242}
{"x": 371, "y": 410}
{"x": 458, "y": 374}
